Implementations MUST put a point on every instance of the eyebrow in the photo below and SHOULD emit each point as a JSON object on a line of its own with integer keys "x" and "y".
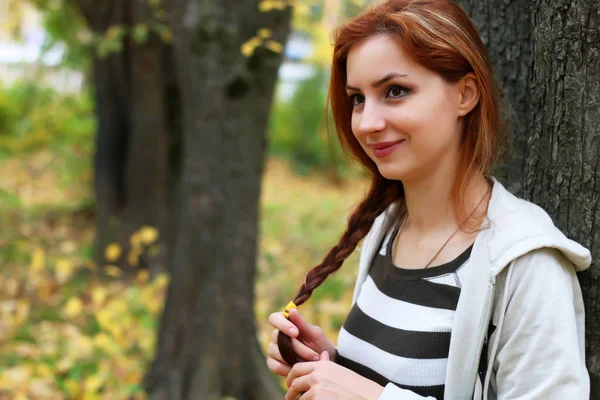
{"x": 380, "y": 82}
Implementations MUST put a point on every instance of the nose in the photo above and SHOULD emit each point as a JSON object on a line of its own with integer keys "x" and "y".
{"x": 371, "y": 119}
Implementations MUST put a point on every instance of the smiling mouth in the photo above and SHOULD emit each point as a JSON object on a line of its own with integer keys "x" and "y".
{"x": 386, "y": 151}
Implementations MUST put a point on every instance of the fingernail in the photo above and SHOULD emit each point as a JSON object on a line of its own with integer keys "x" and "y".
{"x": 316, "y": 358}
{"x": 293, "y": 331}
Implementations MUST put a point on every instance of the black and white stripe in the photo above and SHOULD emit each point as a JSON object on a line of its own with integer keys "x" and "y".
{"x": 400, "y": 327}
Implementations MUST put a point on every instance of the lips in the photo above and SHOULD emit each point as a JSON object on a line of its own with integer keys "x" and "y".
{"x": 384, "y": 149}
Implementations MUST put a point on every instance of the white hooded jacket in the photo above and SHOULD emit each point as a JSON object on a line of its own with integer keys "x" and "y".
{"x": 525, "y": 283}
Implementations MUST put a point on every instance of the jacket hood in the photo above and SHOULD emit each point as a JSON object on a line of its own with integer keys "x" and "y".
{"x": 518, "y": 227}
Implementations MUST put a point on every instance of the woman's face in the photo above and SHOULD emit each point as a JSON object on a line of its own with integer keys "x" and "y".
{"x": 395, "y": 99}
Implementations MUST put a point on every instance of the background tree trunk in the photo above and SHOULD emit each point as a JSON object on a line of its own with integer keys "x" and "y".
{"x": 207, "y": 346}
{"x": 505, "y": 27}
{"x": 562, "y": 172}
{"x": 547, "y": 60}
{"x": 132, "y": 147}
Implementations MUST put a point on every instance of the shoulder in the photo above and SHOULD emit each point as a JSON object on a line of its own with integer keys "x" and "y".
{"x": 522, "y": 229}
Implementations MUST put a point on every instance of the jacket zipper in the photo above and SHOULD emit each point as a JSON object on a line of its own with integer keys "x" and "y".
{"x": 485, "y": 332}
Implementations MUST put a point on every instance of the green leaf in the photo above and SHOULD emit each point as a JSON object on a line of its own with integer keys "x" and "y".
{"x": 140, "y": 33}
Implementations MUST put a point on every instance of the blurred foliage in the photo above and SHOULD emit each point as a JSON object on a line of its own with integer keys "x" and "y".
{"x": 34, "y": 117}
{"x": 67, "y": 333}
{"x": 64, "y": 333}
{"x": 36, "y": 120}
{"x": 297, "y": 131}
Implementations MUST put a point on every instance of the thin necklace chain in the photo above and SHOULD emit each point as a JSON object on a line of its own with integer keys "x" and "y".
{"x": 451, "y": 236}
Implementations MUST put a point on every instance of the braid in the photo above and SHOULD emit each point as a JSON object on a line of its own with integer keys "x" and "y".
{"x": 382, "y": 193}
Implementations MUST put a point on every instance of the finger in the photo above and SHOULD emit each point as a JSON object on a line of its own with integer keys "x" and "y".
{"x": 277, "y": 367}
{"x": 273, "y": 352}
{"x": 324, "y": 356}
{"x": 301, "y": 323}
{"x": 304, "y": 352}
{"x": 278, "y": 321}
{"x": 301, "y": 350}
{"x": 299, "y": 369}
{"x": 299, "y": 386}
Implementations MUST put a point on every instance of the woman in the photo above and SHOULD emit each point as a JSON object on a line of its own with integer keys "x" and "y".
{"x": 463, "y": 290}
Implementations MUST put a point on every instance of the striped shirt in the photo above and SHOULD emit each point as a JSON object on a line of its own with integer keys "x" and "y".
{"x": 399, "y": 329}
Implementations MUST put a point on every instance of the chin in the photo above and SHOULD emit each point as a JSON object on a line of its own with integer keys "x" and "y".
{"x": 393, "y": 172}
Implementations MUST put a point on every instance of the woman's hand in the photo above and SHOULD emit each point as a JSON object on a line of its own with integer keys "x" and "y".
{"x": 325, "y": 380}
{"x": 308, "y": 341}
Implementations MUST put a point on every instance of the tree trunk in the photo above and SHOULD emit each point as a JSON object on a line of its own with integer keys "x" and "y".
{"x": 562, "y": 172}
{"x": 132, "y": 148}
{"x": 505, "y": 28}
{"x": 207, "y": 346}
{"x": 550, "y": 71}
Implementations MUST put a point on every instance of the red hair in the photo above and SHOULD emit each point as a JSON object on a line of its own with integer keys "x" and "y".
{"x": 440, "y": 36}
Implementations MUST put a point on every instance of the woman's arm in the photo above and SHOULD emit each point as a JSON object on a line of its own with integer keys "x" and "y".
{"x": 540, "y": 353}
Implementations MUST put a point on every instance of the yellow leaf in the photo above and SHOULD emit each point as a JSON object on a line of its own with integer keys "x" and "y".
{"x": 142, "y": 276}
{"x": 103, "y": 342}
{"x": 64, "y": 365}
{"x": 112, "y": 252}
{"x": 249, "y": 47}
{"x": 92, "y": 384}
{"x": 268, "y": 5}
{"x": 38, "y": 260}
{"x": 133, "y": 258}
{"x": 112, "y": 270}
{"x": 148, "y": 235}
{"x": 275, "y": 47}
{"x": 73, "y": 307}
{"x": 104, "y": 318}
{"x": 44, "y": 371}
{"x": 161, "y": 281}
{"x": 99, "y": 295}
{"x": 135, "y": 240}
{"x": 264, "y": 33}
{"x": 64, "y": 270}
{"x": 73, "y": 387}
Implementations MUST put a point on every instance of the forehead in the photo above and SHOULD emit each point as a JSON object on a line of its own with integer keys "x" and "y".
{"x": 377, "y": 56}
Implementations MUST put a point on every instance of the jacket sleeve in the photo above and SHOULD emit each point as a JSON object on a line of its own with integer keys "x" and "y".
{"x": 541, "y": 353}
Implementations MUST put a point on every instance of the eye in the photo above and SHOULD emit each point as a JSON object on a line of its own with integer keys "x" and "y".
{"x": 356, "y": 99}
{"x": 397, "y": 91}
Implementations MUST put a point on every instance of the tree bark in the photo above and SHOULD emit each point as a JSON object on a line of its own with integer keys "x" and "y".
{"x": 132, "y": 147}
{"x": 550, "y": 70}
{"x": 562, "y": 172}
{"x": 505, "y": 27}
{"x": 207, "y": 346}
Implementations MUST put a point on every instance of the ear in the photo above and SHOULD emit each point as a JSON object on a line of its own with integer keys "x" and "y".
{"x": 468, "y": 94}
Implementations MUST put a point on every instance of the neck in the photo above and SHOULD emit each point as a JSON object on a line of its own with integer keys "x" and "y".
{"x": 429, "y": 201}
